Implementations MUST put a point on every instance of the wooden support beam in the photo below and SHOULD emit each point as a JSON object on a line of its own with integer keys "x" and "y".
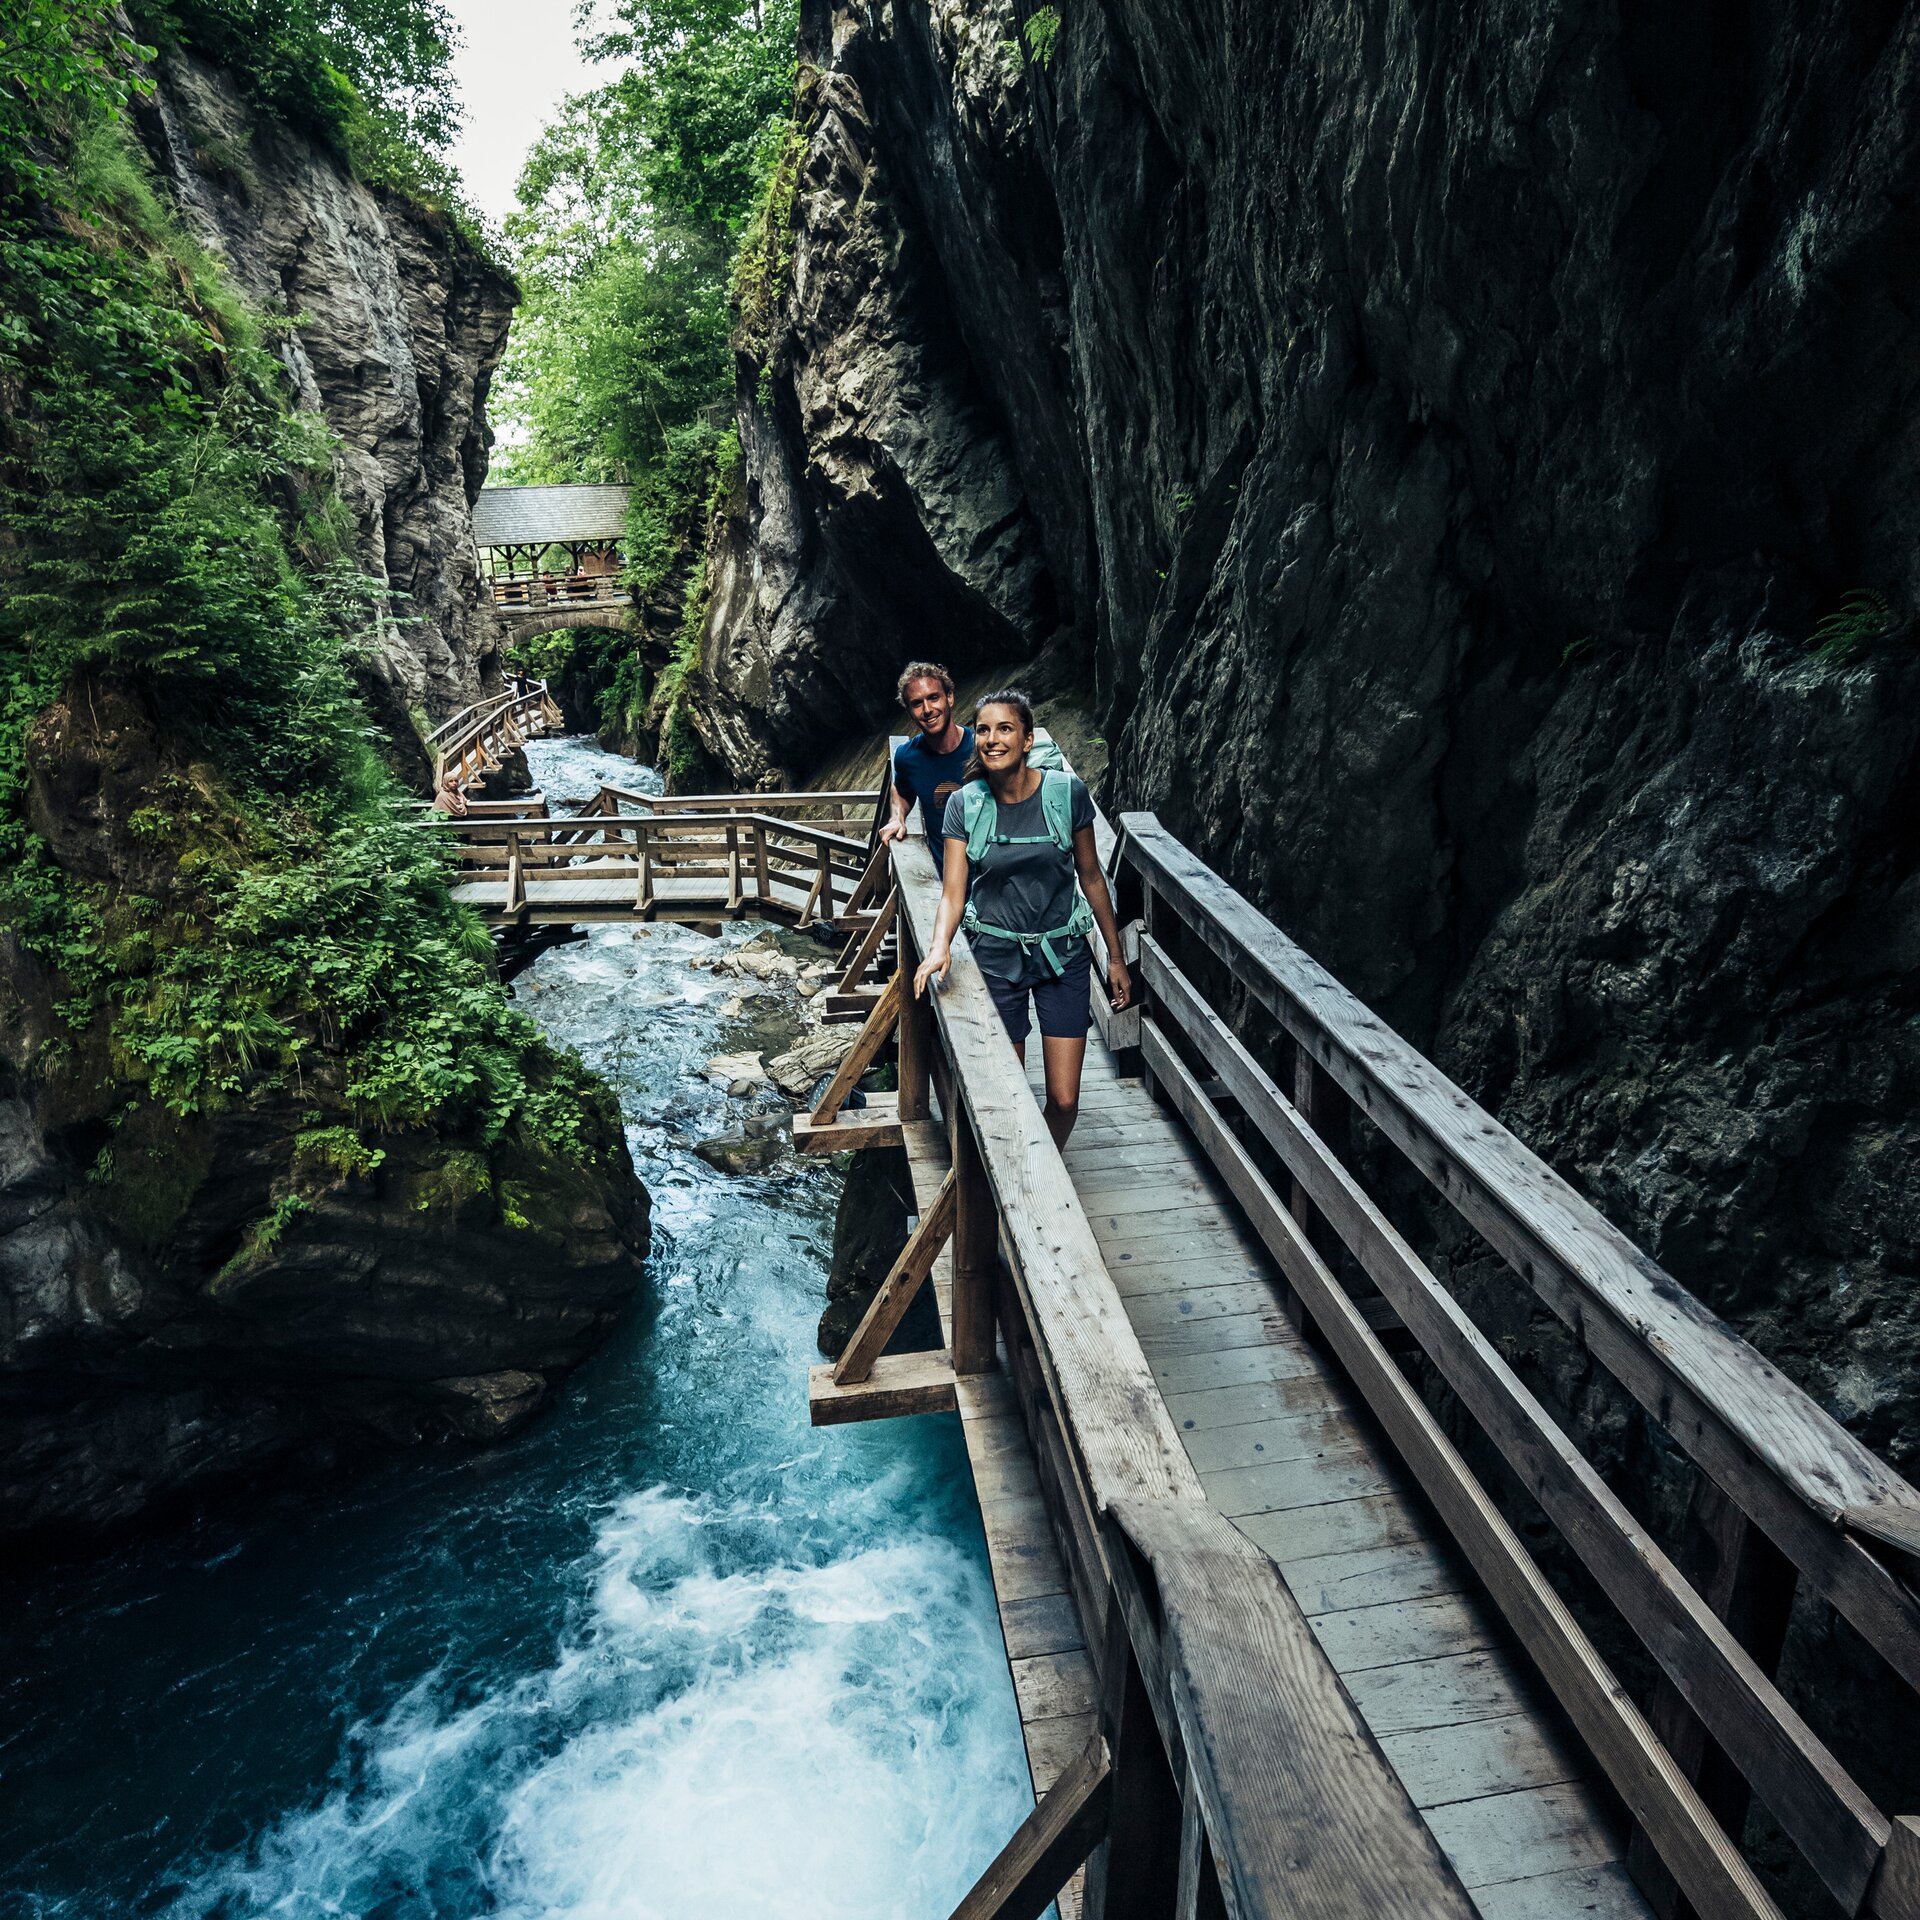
{"x": 877, "y": 1124}
{"x": 866, "y": 1049}
{"x": 870, "y": 944}
{"x": 916, "y": 1031}
{"x": 763, "y": 884}
{"x": 1197, "y": 1895}
{"x": 1134, "y": 1873}
{"x": 899, "y": 1385}
{"x": 895, "y": 1293}
{"x": 1749, "y": 1584}
{"x": 1047, "y": 1847}
{"x": 1896, "y": 1894}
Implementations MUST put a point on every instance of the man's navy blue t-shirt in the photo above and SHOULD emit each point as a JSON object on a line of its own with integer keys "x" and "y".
{"x": 929, "y": 778}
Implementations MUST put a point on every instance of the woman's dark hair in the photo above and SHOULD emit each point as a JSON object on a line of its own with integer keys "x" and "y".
{"x": 1006, "y": 697}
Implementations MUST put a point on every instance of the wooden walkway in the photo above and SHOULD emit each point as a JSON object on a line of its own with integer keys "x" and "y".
{"x": 1284, "y": 1450}
{"x": 1277, "y": 1649}
{"x": 1323, "y": 1674}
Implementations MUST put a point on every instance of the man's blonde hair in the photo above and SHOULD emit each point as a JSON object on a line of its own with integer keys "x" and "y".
{"x": 922, "y": 670}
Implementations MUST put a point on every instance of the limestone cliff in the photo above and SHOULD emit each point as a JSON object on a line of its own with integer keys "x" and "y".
{"x": 290, "y": 1263}
{"x": 393, "y": 327}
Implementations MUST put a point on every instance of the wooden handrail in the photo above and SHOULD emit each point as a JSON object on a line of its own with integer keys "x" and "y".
{"x": 1788, "y": 1464}
{"x": 1755, "y": 1434}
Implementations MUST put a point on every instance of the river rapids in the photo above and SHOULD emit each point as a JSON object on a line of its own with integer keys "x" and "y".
{"x": 669, "y": 1654}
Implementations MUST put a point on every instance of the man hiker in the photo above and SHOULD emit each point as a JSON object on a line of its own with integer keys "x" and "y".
{"x": 931, "y": 765}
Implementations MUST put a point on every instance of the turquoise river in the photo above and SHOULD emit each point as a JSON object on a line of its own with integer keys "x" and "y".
{"x": 669, "y": 1654}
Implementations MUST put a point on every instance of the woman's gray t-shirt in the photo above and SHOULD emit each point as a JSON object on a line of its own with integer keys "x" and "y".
{"x": 1029, "y": 888}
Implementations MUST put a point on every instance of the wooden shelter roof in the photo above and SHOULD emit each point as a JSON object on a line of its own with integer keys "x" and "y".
{"x": 530, "y": 516}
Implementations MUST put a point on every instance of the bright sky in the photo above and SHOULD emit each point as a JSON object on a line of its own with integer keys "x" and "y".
{"x": 516, "y": 63}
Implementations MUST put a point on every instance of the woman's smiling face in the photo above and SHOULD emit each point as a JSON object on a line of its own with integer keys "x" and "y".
{"x": 1001, "y": 738}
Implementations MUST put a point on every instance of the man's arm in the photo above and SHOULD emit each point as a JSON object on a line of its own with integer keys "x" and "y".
{"x": 896, "y": 827}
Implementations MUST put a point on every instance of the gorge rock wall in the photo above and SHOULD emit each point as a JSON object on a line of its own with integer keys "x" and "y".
{"x": 393, "y": 325}
{"x": 1435, "y": 434}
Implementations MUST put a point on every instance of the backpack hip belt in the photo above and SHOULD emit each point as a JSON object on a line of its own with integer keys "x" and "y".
{"x": 1079, "y": 922}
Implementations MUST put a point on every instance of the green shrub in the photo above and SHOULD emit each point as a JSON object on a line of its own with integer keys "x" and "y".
{"x": 174, "y": 544}
{"x": 1862, "y": 619}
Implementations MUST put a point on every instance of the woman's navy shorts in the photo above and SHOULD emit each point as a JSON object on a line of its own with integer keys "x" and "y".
{"x": 1065, "y": 1010}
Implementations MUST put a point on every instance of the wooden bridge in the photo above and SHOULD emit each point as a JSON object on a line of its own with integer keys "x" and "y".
{"x": 476, "y": 739}
{"x": 1277, "y": 1646}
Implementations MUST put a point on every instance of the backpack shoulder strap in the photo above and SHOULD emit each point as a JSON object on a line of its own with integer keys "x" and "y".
{"x": 1056, "y": 803}
{"x": 977, "y": 814}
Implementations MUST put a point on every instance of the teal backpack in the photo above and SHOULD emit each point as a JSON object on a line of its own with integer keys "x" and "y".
{"x": 981, "y": 815}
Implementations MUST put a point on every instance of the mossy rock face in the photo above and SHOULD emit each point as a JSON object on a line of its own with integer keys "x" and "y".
{"x": 254, "y": 1291}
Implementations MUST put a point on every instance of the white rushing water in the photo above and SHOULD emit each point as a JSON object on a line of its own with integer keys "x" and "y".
{"x": 671, "y": 1654}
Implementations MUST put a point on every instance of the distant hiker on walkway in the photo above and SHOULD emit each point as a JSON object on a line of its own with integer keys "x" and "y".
{"x": 1019, "y": 832}
{"x": 520, "y": 688}
{"x": 449, "y": 799}
{"x": 931, "y": 765}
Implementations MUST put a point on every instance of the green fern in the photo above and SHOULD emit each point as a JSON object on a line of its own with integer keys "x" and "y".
{"x": 1861, "y": 619}
{"x": 1042, "y": 30}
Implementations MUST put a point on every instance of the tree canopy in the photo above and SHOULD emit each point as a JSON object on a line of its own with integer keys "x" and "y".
{"x": 632, "y": 204}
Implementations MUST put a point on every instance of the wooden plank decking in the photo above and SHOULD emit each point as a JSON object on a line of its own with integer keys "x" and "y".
{"x": 577, "y": 895}
{"x": 1284, "y": 1449}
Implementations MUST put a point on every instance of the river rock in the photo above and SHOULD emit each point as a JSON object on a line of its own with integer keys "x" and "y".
{"x": 820, "y": 1052}
{"x": 744, "y": 1152}
{"x": 739, "y": 1073}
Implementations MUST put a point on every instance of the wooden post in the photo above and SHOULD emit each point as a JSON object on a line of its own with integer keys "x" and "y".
{"x": 813, "y": 910}
{"x": 643, "y": 886}
{"x": 975, "y": 1251}
{"x": 516, "y": 881}
{"x": 733, "y": 866}
{"x": 1198, "y": 1896}
{"x": 1896, "y": 1894}
{"x": 1134, "y": 1873}
{"x": 1749, "y": 1583}
{"x": 916, "y": 1031}
{"x": 763, "y": 886}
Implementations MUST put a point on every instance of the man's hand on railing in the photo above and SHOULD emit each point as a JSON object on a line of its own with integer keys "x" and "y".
{"x": 892, "y": 831}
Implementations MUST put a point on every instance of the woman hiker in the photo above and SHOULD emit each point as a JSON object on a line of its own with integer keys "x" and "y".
{"x": 1017, "y": 838}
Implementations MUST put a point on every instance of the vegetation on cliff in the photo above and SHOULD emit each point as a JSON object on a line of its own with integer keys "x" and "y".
{"x": 197, "y": 844}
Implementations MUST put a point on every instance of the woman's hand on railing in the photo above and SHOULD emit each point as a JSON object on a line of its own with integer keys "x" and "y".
{"x": 933, "y": 967}
{"x": 1119, "y": 984}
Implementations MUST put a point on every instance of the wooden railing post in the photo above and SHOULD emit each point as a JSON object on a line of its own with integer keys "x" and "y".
{"x": 762, "y": 883}
{"x": 1323, "y": 1106}
{"x": 975, "y": 1250}
{"x": 916, "y": 1031}
{"x": 516, "y": 880}
{"x": 1134, "y": 1873}
{"x": 1749, "y": 1583}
